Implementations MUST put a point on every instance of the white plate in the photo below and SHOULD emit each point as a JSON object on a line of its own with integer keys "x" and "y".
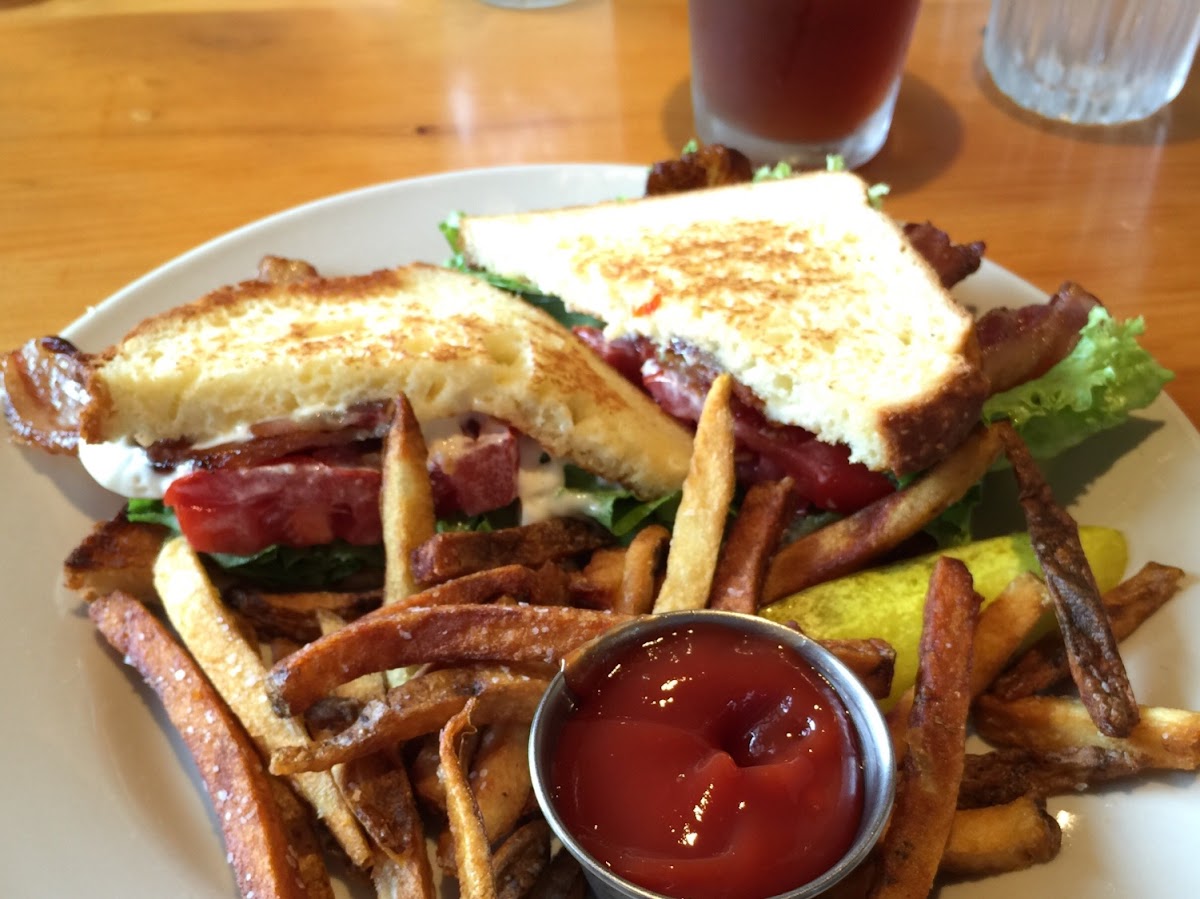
{"x": 100, "y": 799}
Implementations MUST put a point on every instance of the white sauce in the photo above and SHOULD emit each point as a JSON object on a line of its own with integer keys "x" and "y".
{"x": 125, "y": 468}
{"x": 541, "y": 487}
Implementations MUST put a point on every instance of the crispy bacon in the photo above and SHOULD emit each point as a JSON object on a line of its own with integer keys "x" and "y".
{"x": 281, "y": 437}
{"x": 44, "y": 391}
{"x": 1021, "y": 344}
{"x": 679, "y": 379}
{"x": 709, "y": 166}
{"x": 951, "y": 261}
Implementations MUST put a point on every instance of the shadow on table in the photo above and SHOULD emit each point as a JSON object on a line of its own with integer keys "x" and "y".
{"x": 926, "y": 134}
{"x": 1178, "y": 122}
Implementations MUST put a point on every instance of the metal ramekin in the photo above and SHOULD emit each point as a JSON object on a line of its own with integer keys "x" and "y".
{"x": 868, "y": 723}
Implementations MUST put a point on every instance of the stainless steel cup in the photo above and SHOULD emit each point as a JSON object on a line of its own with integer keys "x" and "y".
{"x": 865, "y": 717}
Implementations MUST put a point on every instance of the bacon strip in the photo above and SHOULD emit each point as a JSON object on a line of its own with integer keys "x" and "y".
{"x": 952, "y": 261}
{"x": 1021, "y": 344}
{"x": 43, "y": 391}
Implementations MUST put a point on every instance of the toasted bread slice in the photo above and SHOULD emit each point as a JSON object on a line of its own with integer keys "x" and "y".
{"x": 260, "y": 352}
{"x": 801, "y": 290}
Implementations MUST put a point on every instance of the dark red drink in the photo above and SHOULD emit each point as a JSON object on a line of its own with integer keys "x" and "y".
{"x": 797, "y": 72}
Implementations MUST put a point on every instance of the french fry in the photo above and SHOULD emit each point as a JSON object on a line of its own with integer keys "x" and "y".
{"x": 1003, "y": 775}
{"x": 561, "y": 879}
{"x": 1167, "y": 739}
{"x": 639, "y": 579}
{"x": 423, "y": 774}
{"x": 117, "y": 555}
{"x": 380, "y": 795}
{"x": 847, "y": 545}
{"x": 454, "y": 554}
{"x": 256, "y": 838}
{"x": 598, "y": 585}
{"x": 929, "y": 776}
{"x": 520, "y": 859}
{"x": 294, "y": 615}
{"x": 405, "y": 501}
{"x": 1000, "y": 838}
{"x": 417, "y": 707}
{"x": 707, "y": 493}
{"x": 362, "y": 690}
{"x": 1003, "y": 627}
{"x": 236, "y": 670}
{"x": 471, "y": 852}
{"x": 1044, "y": 665}
{"x": 500, "y": 778}
{"x": 754, "y": 536}
{"x": 302, "y": 840}
{"x": 448, "y": 635}
{"x": 1092, "y": 654}
{"x": 872, "y": 661}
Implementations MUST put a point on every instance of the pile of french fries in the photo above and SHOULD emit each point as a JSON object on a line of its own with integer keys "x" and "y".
{"x": 377, "y": 724}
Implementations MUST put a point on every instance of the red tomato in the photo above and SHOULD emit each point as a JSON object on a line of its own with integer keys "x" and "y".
{"x": 706, "y": 765}
{"x": 294, "y": 503}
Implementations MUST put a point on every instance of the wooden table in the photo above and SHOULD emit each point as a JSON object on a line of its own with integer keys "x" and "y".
{"x": 132, "y": 130}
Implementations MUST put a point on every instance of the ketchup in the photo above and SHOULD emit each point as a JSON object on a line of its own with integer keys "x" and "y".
{"x": 709, "y": 763}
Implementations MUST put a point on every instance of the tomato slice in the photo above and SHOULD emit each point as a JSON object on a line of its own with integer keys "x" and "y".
{"x": 295, "y": 503}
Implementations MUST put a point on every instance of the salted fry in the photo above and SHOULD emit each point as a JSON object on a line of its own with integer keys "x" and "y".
{"x": 639, "y": 580}
{"x": 303, "y": 841}
{"x": 380, "y": 795}
{"x": 1092, "y": 654}
{"x": 546, "y": 587}
{"x": 238, "y": 787}
{"x": 1044, "y": 665}
{"x": 561, "y": 879}
{"x": 405, "y": 501}
{"x": 707, "y": 493}
{"x": 929, "y": 776}
{"x": 294, "y": 615}
{"x": 598, "y": 585}
{"x": 872, "y": 661}
{"x": 471, "y": 852}
{"x": 520, "y": 859}
{"x": 847, "y": 545}
{"x": 454, "y": 554}
{"x": 1003, "y": 775}
{"x": 117, "y": 555}
{"x": 360, "y": 690}
{"x": 448, "y": 635}
{"x": 500, "y": 777}
{"x": 236, "y": 670}
{"x": 1000, "y": 838}
{"x": 417, "y": 707}
{"x": 1164, "y": 738}
{"x": 423, "y": 774}
{"x": 1001, "y": 630}
{"x": 754, "y": 536}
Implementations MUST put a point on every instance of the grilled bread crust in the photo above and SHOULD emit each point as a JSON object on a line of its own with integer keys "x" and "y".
{"x": 453, "y": 345}
{"x": 801, "y": 290}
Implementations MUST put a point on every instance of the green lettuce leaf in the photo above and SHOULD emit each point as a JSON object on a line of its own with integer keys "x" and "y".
{"x": 1104, "y": 378}
{"x": 151, "y": 511}
{"x": 553, "y": 306}
{"x": 616, "y": 508}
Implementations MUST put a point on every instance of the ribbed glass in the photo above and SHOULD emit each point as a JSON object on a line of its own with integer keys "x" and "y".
{"x": 1099, "y": 62}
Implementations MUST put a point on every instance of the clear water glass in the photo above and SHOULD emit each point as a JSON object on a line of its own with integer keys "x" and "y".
{"x": 1093, "y": 62}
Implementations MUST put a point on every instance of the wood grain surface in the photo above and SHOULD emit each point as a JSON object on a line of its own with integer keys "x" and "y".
{"x": 132, "y": 130}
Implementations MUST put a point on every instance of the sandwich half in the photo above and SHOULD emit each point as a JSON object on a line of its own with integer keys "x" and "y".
{"x": 255, "y": 413}
{"x": 853, "y": 361}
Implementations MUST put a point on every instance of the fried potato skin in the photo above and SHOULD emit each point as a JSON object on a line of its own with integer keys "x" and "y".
{"x": 229, "y": 765}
